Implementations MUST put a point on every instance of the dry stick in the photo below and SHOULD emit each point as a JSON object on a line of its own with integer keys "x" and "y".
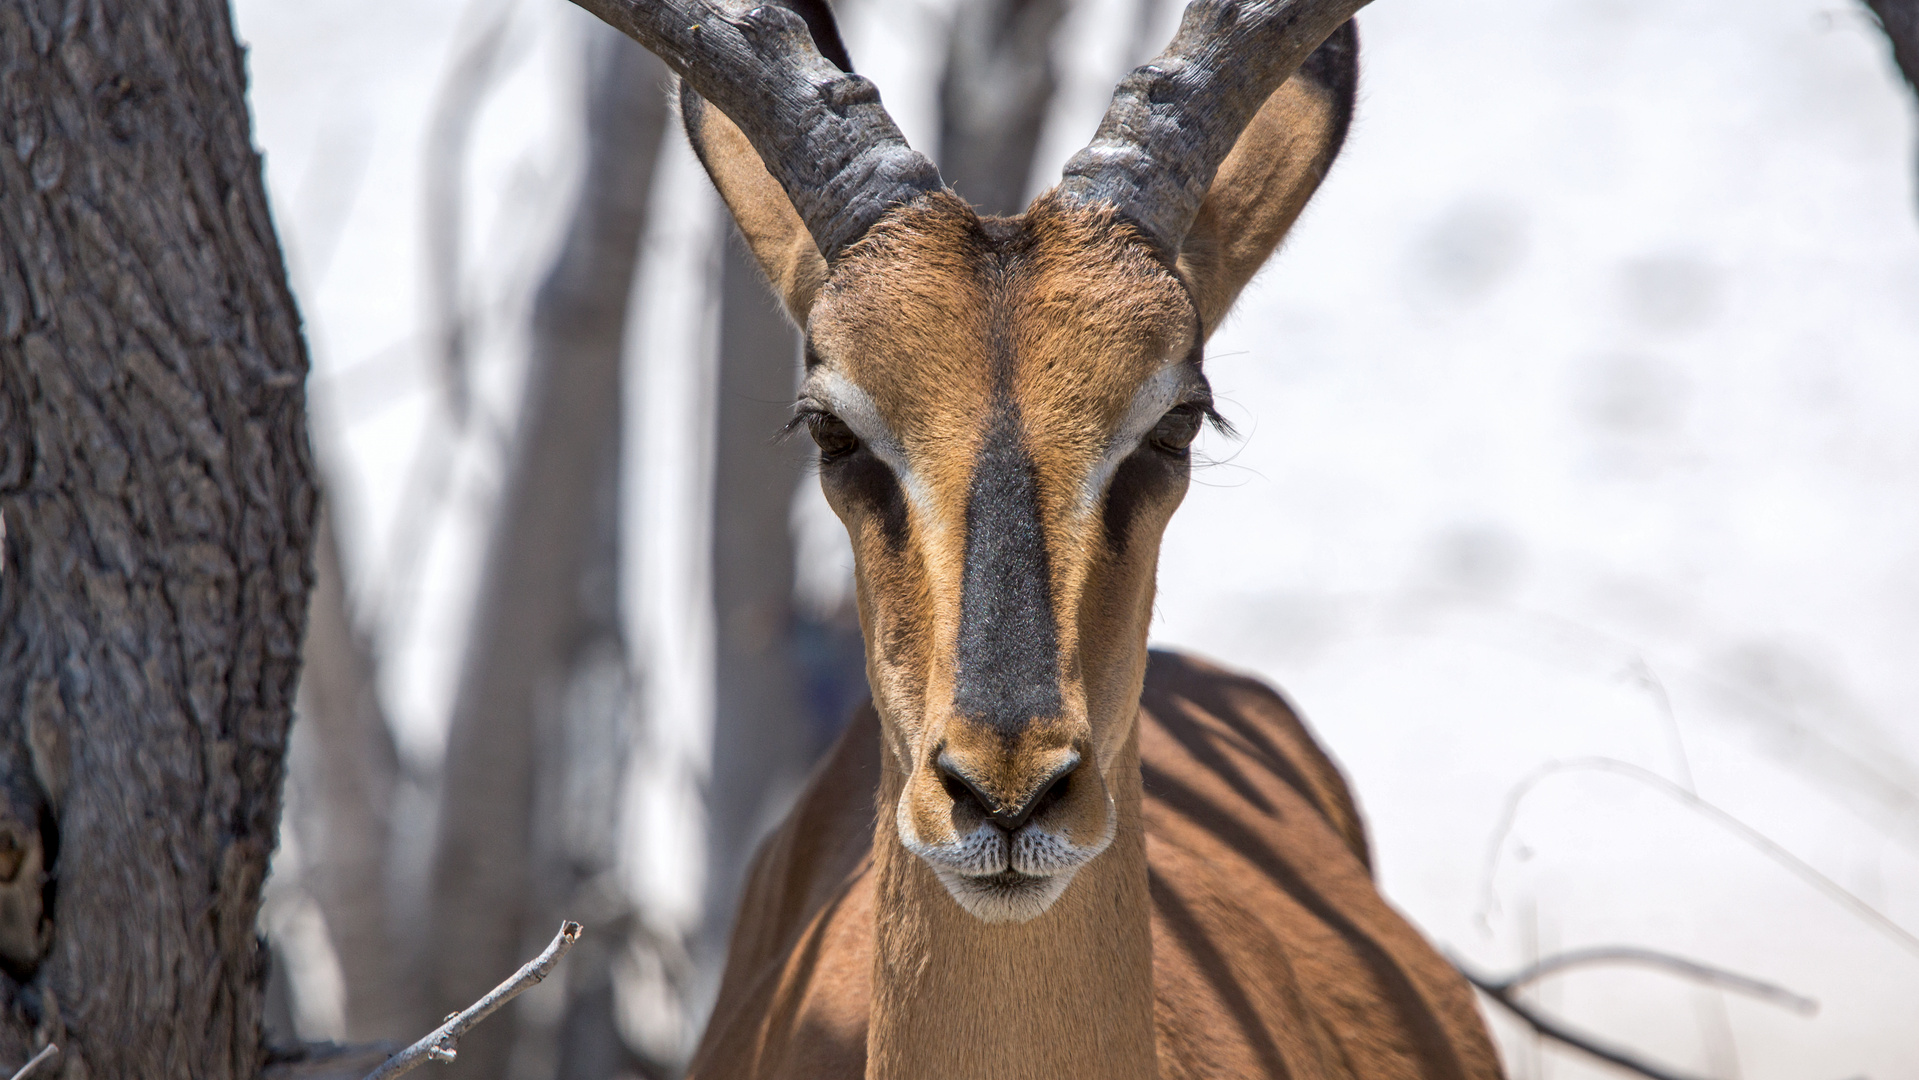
{"x": 439, "y": 1046}
{"x": 1560, "y": 1033}
{"x": 1764, "y": 844}
{"x": 1691, "y": 969}
{"x": 33, "y": 1063}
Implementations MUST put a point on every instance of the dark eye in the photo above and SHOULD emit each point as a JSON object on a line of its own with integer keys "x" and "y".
{"x": 835, "y": 439}
{"x": 1177, "y": 429}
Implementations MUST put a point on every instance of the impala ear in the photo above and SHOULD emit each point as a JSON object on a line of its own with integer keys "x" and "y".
{"x": 1264, "y": 183}
{"x": 773, "y": 229}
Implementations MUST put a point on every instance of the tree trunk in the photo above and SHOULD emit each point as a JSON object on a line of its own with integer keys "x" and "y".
{"x": 343, "y": 754}
{"x": 994, "y": 95}
{"x": 543, "y": 623}
{"x": 1900, "y": 18}
{"x": 158, "y": 503}
{"x": 762, "y": 747}
{"x": 785, "y": 680}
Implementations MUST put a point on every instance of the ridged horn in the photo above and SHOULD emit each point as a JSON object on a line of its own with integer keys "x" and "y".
{"x": 821, "y": 131}
{"x": 1175, "y": 118}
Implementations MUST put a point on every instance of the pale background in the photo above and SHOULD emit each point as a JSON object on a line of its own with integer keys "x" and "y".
{"x": 1580, "y": 421}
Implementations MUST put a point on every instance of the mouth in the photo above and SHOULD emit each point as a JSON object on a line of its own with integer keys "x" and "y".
{"x": 1002, "y": 879}
{"x": 995, "y": 875}
{"x": 1006, "y": 897}
{"x": 1006, "y": 881}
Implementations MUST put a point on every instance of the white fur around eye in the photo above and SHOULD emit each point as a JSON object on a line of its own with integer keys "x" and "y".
{"x": 1152, "y": 400}
{"x": 855, "y": 407}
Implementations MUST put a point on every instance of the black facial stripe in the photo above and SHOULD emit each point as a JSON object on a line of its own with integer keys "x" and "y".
{"x": 865, "y": 477}
{"x": 1126, "y": 494}
{"x": 1006, "y": 671}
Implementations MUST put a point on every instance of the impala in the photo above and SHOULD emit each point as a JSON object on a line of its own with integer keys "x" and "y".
{"x": 1043, "y": 851}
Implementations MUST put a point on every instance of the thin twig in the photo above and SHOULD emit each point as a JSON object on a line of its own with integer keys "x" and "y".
{"x": 33, "y": 1063}
{"x": 1642, "y": 672}
{"x": 439, "y": 1046}
{"x": 1558, "y": 1032}
{"x": 1755, "y": 839}
{"x": 1691, "y": 969}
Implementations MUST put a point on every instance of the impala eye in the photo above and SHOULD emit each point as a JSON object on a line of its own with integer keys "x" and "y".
{"x": 1177, "y": 429}
{"x": 834, "y": 438}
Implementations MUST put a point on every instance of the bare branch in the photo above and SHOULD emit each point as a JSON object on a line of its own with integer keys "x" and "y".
{"x": 994, "y": 97}
{"x": 1678, "y": 965}
{"x": 440, "y": 1045}
{"x": 1764, "y": 844}
{"x": 33, "y": 1063}
{"x": 544, "y": 671}
{"x": 1561, "y": 1033}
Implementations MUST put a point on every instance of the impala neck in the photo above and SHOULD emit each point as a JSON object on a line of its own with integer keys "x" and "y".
{"x": 1069, "y": 994}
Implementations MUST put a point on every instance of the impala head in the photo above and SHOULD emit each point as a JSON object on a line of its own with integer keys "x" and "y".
{"x": 1004, "y": 406}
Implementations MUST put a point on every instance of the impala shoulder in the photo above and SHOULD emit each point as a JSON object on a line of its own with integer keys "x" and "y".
{"x": 1242, "y": 732}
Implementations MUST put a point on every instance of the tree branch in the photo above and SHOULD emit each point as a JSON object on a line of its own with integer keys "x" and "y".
{"x": 1691, "y": 969}
{"x": 1753, "y": 838}
{"x": 33, "y": 1063}
{"x": 1501, "y": 992}
{"x": 439, "y": 1046}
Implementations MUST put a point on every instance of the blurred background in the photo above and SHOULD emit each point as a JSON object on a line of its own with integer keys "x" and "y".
{"x": 1576, "y": 505}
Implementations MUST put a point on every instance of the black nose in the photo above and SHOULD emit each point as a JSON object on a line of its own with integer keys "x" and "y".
{"x": 1007, "y": 815}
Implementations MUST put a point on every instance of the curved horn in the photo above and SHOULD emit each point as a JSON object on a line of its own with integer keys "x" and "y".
{"x": 1174, "y": 119}
{"x": 821, "y": 131}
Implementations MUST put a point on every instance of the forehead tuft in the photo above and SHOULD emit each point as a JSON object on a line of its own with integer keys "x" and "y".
{"x": 1064, "y": 310}
{"x": 938, "y": 252}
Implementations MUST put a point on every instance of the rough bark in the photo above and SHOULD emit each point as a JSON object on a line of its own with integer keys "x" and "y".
{"x": 158, "y": 498}
{"x": 543, "y": 614}
{"x": 999, "y": 81}
{"x": 343, "y": 755}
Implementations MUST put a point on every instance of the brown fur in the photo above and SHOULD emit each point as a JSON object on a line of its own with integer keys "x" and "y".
{"x": 913, "y": 316}
{"x": 1211, "y": 912}
{"x": 1272, "y": 953}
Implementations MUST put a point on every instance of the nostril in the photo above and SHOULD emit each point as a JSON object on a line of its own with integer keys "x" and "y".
{"x": 963, "y": 793}
{"x": 957, "y": 790}
{"x": 1050, "y": 795}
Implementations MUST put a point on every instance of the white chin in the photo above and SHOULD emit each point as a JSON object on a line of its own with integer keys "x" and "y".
{"x": 1007, "y": 897}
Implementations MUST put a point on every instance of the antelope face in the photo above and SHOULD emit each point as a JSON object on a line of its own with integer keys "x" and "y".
{"x": 1003, "y": 409}
{"x": 1004, "y": 406}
